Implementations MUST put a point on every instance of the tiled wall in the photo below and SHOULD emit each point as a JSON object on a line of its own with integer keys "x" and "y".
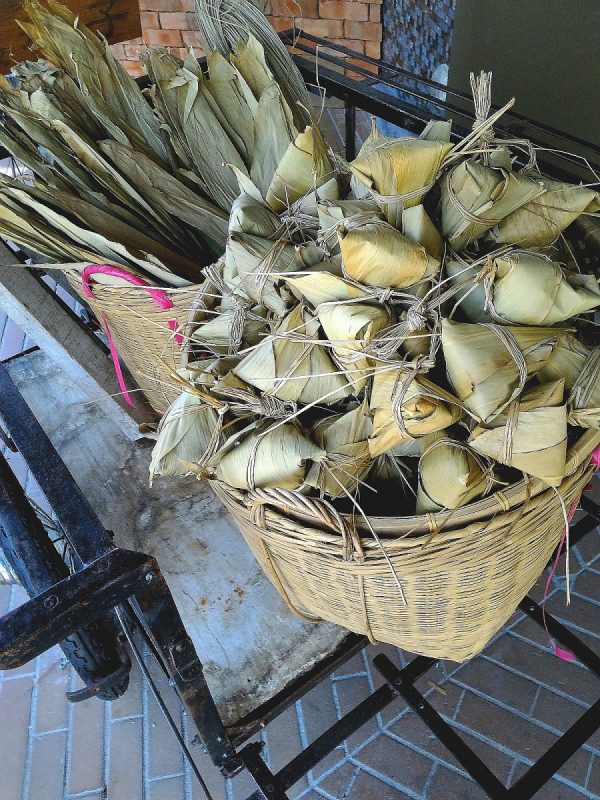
{"x": 172, "y": 24}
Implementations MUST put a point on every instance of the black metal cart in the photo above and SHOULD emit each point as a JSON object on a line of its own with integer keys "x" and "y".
{"x": 107, "y": 595}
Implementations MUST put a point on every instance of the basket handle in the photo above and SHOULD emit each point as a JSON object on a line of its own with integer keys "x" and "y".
{"x": 288, "y": 501}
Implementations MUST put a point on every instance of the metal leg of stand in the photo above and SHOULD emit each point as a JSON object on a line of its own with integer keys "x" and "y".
{"x": 162, "y": 627}
{"x": 350, "y": 122}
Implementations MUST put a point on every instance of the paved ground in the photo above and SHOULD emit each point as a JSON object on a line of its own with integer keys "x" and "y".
{"x": 510, "y": 704}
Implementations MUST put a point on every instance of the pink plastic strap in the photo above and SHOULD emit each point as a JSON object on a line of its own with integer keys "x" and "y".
{"x": 564, "y": 655}
{"x": 160, "y": 298}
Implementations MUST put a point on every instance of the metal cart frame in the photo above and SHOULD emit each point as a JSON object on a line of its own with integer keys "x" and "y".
{"x": 109, "y": 578}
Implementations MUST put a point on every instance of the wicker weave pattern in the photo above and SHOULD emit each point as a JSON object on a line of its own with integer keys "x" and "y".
{"x": 140, "y": 331}
{"x": 460, "y": 585}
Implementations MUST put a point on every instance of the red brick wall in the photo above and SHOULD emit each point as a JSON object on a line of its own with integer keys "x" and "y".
{"x": 172, "y": 24}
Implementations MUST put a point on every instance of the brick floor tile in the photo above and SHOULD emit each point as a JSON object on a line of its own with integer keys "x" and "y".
{"x": 368, "y": 787}
{"x": 165, "y": 756}
{"x": 544, "y": 667}
{"x": 580, "y": 612}
{"x": 317, "y": 715}
{"x": 504, "y": 728}
{"x": 47, "y": 767}
{"x": 213, "y": 779}
{"x": 125, "y": 777}
{"x": 53, "y": 682}
{"x": 396, "y": 761}
{"x": 589, "y": 547}
{"x": 87, "y": 746}
{"x": 498, "y": 683}
{"x": 168, "y": 789}
{"x": 561, "y": 713}
{"x": 356, "y": 665}
{"x": 15, "y": 702}
{"x": 447, "y": 785}
{"x": 587, "y": 583}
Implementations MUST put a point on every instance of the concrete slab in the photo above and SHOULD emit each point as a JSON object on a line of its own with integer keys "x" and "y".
{"x": 250, "y": 643}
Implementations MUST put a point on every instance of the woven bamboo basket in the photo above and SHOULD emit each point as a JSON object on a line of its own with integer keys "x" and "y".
{"x": 142, "y": 336}
{"x": 446, "y": 583}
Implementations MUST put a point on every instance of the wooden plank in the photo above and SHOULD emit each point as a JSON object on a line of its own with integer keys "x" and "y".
{"x": 116, "y": 20}
{"x": 58, "y": 332}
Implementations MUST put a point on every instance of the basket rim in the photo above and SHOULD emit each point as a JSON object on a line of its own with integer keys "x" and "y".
{"x": 320, "y": 514}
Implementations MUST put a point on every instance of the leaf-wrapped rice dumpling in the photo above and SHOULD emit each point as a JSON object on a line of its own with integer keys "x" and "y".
{"x": 305, "y": 166}
{"x": 376, "y": 254}
{"x": 293, "y": 364}
{"x": 400, "y": 171}
{"x": 187, "y": 433}
{"x": 450, "y": 474}
{"x": 350, "y": 327}
{"x": 271, "y": 456}
{"x": 249, "y": 215}
{"x": 344, "y": 438}
{"x": 525, "y": 288}
{"x": 325, "y": 287}
{"x": 531, "y": 436}
{"x": 475, "y": 198}
{"x": 417, "y": 227}
{"x": 539, "y": 222}
{"x": 488, "y": 365}
{"x": 407, "y": 405}
{"x": 579, "y": 367}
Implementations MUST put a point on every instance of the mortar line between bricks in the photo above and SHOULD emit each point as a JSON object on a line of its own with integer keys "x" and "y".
{"x": 43, "y": 734}
{"x": 159, "y": 778}
{"x": 536, "y": 697}
{"x": 68, "y": 737}
{"x": 187, "y": 770}
{"x": 432, "y": 773}
{"x": 511, "y": 772}
{"x": 589, "y": 599}
{"x": 130, "y": 718}
{"x": 589, "y": 771}
{"x": 338, "y": 678}
{"x": 31, "y": 731}
{"x": 85, "y": 793}
{"x": 410, "y": 745}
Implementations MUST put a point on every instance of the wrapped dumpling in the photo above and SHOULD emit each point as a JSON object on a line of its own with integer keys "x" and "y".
{"x": 531, "y": 436}
{"x": 376, "y": 254}
{"x": 488, "y": 364}
{"x": 407, "y": 405}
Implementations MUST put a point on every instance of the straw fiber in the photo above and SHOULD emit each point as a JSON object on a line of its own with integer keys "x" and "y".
{"x": 449, "y": 581}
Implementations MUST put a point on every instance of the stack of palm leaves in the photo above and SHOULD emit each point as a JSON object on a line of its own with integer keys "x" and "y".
{"x": 412, "y": 319}
{"x": 143, "y": 179}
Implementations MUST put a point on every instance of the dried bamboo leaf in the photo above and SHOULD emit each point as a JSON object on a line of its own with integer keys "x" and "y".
{"x": 540, "y": 221}
{"x": 343, "y": 437}
{"x": 305, "y": 166}
{"x": 407, "y": 405}
{"x": 537, "y": 443}
{"x": 277, "y": 457}
{"x": 324, "y": 287}
{"x": 350, "y": 327}
{"x": 475, "y": 198}
{"x": 483, "y": 371}
{"x": 417, "y": 227}
{"x": 293, "y": 365}
{"x": 376, "y": 254}
{"x": 450, "y": 475}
